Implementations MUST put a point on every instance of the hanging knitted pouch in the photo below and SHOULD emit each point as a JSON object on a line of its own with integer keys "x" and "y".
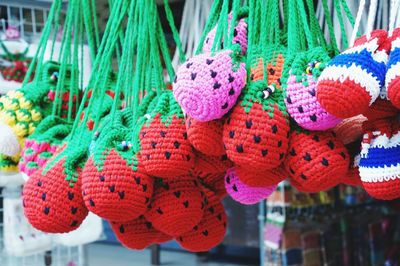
{"x": 52, "y": 196}
{"x": 206, "y": 137}
{"x": 114, "y": 183}
{"x": 350, "y": 129}
{"x": 43, "y": 143}
{"x": 177, "y": 205}
{"x": 380, "y": 156}
{"x": 257, "y": 130}
{"x": 210, "y": 231}
{"x": 208, "y": 85}
{"x": 243, "y": 193}
{"x": 239, "y": 34}
{"x": 393, "y": 70}
{"x": 138, "y": 233}
{"x": 300, "y": 89}
{"x": 165, "y": 148}
{"x": 316, "y": 161}
{"x": 353, "y": 80}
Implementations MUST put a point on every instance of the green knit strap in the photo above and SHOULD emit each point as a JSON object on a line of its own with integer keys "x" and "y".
{"x": 210, "y": 23}
{"x": 329, "y": 21}
{"x": 175, "y": 33}
{"x": 47, "y": 123}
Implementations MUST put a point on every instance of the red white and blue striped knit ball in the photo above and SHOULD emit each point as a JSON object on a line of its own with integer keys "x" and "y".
{"x": 380, "y": 166}
{"x": 393, "y": 70}
{"x": 352, "y": 80}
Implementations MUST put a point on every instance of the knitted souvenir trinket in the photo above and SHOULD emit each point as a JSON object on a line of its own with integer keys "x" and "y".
{"x": 300, "y": 88}
{"x": 392, "y": 79}
{"x": 114, "y": 183}
{"x": 208, "y": 85}
{"x": 353, "y": 80}
{"x": 165, "y": 148}
{"x": 43, "y": 143}
{"x": 239, "y": 35}
{"x": 138, "y": 233}
{"x": 379, "y": 160}
{"x": 177, "y": 205}
{"x": 52, "y": 196}
{"x": 53, "y": 200}
{"x": 206, "y": 137}
{"x": 257, "y": 130}
{"x": 209, "y": 232}
{"x": 243, "y": 193}
{"x": 316, "y": 161}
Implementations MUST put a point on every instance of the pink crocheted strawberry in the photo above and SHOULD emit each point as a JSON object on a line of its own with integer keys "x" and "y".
{"x": 177, "y": 205}
{"x": 256, "y": 132}
{"x": 138, "y": 233}
{"x": 239, "y": 35}
{"x": 165, "y": 148}
{"x": 300, "y": 81}
{"x": 210, "y": 231}
{"x": 208, "y": 85}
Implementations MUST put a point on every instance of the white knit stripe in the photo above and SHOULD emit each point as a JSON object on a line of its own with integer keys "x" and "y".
{"x": 354, "y": 73}
{"x": 392, "y": 73}
{"x": 395, "y": 43}
{"x": 380, "y": 56}
{"x": 371, "y": 47}
{"x": 380, "y": 174}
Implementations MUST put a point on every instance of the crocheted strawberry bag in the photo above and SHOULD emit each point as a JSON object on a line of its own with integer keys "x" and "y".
{"x": 43, "y": 143}
{"x": 208, "y": 85}
{"x": 165, "y": 148}
{"x": 316, "y": 161}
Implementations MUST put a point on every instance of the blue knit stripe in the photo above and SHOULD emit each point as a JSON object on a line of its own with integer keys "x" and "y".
{"x": 394, "y": 57}
{"x": 381, "y": 157}
{"x": 364, "y": 60}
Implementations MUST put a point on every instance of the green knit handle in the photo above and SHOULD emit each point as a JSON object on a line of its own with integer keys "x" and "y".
{"x": 210, "y": 23}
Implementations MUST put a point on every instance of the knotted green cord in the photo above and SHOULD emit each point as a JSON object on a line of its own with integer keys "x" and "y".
{"x": 210, "y": 23}
{"x": 175, "y": 33}
{"x": 124, "y": 77}
{"x": 328, "y": 19}
{"x": 222, "y": 28}
{"x": 100, "y": 64}
{"x": 341, "y": 22}
{"x": 38, "y": 57}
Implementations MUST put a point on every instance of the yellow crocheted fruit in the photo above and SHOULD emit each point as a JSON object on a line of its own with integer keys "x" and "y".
{"x": 23, "y": 115}
{"x": 32, "y": 128}
{"x": 24, "y": 103}
{"x": 8, "y": 164}
{"x": 36, "y": 116}
{"x": 15, "y": 94}
{"x": 14, "y": 105}
{"x": 6, "y": 101}
{"x": 21, "y": 129}
{"x": 8, "y": 117}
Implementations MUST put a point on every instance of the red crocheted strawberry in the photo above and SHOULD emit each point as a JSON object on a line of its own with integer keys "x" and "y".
{"x": 115, "y": 185}
{"x": 210, "y": 171}
{"x": 210, "y": 231}
{"x": 165, "y": 148}
{"x": 316, "y": 161}
{"x": 177, "y": 206}
{"x": 138, "y": 233}
{"x": 266, "y": 178}
{"x": 206, "y": 137}
{"x": 256, "y": 132}
{"x": 51, "y": 203}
